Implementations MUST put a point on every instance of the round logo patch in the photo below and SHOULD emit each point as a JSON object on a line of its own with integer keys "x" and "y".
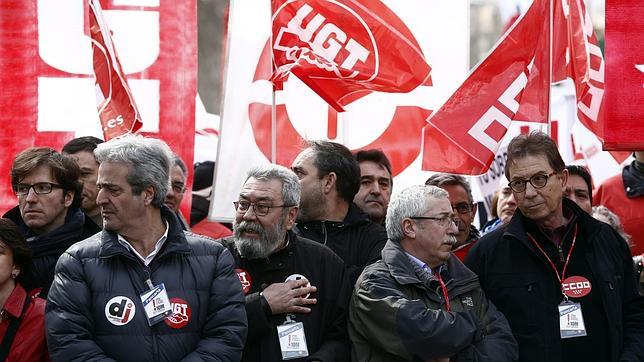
{"x": 245, "y": 279}
{"x": 298, "y": 277}
{"x": 120, "y": 310}
{"x": 180, "y": 315}
{"x": 576, "y": 286}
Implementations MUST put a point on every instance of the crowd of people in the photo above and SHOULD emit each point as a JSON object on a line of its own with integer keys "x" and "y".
{"x": 321, "y": 263}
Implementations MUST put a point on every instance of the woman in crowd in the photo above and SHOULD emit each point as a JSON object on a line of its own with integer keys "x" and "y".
{"x": 22, "y": 317}
{"x": 503, "y": 206}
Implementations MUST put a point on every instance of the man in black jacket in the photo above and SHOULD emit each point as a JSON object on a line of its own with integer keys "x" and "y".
{"x": 81, "y": 150}
{"x": 143, "y": 289}
{"x": 564, "y": 281}
{"x": 296, "y": 289}
{"x": 48, "y": 214}
{"x": 330, "y": 178}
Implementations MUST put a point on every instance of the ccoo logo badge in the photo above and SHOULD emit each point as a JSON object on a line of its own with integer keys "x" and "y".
{"x": 120, "y": 310}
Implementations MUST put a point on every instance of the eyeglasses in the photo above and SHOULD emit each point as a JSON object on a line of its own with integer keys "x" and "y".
{"x": 537, "y": 181}
{"x": 462, "y": 208}
{"x": 40, "y": 188}
{"x": 259, "y": 209}
{"x": 178, "y": 188}
{"x": 443, "y": 221}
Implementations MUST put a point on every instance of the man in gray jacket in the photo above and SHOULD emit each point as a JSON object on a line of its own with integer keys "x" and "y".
{"x": 143, "y": 289}
{"x": 420, "y": 302}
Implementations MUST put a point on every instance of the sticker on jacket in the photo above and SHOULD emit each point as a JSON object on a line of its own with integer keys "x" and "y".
{"x": 298, "y": 277}
{"x": 245, "y": 279}
{"x": 180, "y": 315}
{"x": 120, "y": 310}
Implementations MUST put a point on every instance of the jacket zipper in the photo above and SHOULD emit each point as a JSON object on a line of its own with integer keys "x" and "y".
{"x": 324, "y": 231}
{"x": 560, "y": 250}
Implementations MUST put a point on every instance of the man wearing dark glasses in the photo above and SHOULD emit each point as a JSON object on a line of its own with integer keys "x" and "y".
{"x": 48, "y": 213}
{"x": 564, "y": 281}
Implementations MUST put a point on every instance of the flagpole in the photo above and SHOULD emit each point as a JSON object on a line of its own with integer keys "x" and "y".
{"x": 550, "y": 37}
{"x": 273, "y": 108}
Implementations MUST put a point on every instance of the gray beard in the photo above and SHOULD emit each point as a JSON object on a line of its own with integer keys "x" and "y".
{"x": 270, "y": 238}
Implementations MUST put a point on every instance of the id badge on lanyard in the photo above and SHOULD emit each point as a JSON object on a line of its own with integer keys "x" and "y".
{"x": 292, "y": 339}
{"x": 571, "y": 319}
{"x": 156, "y": 303}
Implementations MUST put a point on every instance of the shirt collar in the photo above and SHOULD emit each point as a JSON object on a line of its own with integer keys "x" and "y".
{"x": 157, "y": 247}
{"x": 420, "y": 264}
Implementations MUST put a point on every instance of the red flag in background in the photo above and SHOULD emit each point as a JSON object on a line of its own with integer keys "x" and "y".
{"x": 116, "y": 107}
{"x": 584, "y": 63}
{"x": 624, "y": 123}
{"x": 345, "y": 49}
{"x": 511, "y": 83}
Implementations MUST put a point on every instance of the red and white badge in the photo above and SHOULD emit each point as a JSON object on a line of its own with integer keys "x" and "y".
{"x": 576, "y": 286}
{"x": 245, "y": 279}
{"x": 180, "y": 315}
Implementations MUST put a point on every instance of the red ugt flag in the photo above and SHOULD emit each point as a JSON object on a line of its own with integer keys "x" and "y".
{"x": 511, "y": 83}
{"x": 116, "y": 107}
{"x": 345, "y": 49}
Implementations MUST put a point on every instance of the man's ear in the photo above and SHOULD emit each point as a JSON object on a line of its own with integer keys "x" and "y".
{"x": 290, "y": 217}
{"x": 474, "y": 208}
{"x": 564, "y": 178}
{"x": 148, "y": 195}
{"x": 409, "y": 228}
{"x": 329, "y": 182}
{"x": 68, "y": 198}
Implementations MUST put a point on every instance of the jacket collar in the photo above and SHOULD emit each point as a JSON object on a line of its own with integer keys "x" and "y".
{"x": 405, "y": 271}
{"x": 176, "y": 242}
{"x": 15, "y": 302}
{"x": 518, "y": 226}
{"x": 633, "y": 181}
{"x": 355, "y": 216}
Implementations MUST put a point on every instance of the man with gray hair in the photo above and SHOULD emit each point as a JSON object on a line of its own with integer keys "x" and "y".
{"x": 143, "y": 289}
{"x": 420, "y": 302}
{"x": 294, "y": 287}
{"x": 460, "y": 196}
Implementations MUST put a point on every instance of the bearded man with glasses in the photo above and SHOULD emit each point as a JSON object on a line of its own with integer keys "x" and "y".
{"x": 420, "y": 303}
{"x": 294, "y": 287}
{"x": 48, "y": 214}
{"x": 564, "y": 281}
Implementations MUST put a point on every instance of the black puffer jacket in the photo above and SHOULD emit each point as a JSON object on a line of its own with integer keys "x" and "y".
{"x": 356, "y": 239}
{"x": 325, "y": 327}
{"x": 48, "y": 247}
{"x": 99, "y": 276}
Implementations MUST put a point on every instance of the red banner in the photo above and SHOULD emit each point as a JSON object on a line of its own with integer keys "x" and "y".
{"x": 48, "y": 94}
{"x": 624, "y": 126}
{"x": 511, "y": 83}
{"x": 116, "y": 106}
{"x": 345, "y": 49}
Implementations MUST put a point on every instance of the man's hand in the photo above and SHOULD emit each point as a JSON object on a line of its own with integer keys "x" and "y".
{"x": 289, "y": 297}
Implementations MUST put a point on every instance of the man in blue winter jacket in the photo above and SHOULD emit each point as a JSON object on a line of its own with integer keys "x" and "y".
{"x": 143, "y": 289}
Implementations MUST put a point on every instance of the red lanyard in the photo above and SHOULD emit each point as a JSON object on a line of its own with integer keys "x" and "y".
{"x": 436, "y": 272}
{"x": 563, "y": 272}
